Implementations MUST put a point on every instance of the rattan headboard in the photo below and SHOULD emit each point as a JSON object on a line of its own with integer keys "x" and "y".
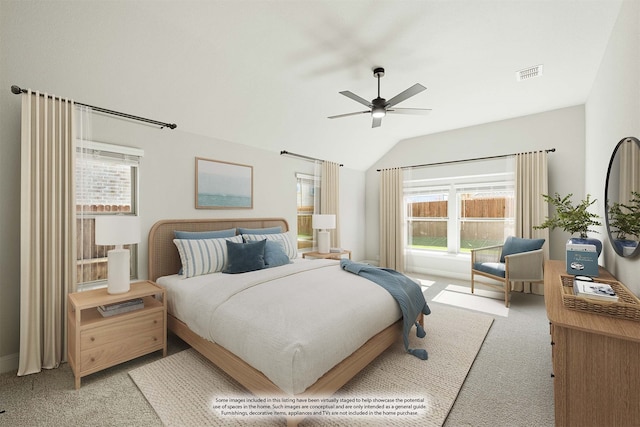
{"x": 163, "y": 255}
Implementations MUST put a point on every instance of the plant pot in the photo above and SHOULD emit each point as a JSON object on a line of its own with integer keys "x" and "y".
{"x": 625, "y": 246}
{"x": 587, "y": 241}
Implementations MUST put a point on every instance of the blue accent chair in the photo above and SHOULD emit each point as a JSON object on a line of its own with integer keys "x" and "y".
{"x": 517, "y": 260}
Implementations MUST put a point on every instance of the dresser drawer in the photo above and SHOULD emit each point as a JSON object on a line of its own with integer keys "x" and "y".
{"x": 119, "y": 350}
{"x": 117, "y": 328}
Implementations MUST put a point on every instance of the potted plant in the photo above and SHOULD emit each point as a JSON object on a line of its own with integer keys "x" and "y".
{"x": 573, "y": 219}
{"x": 624, "y": 220}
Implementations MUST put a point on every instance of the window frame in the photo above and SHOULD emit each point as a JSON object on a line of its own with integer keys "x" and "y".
{"x": 315, "y": 184}
{"x": 132, "y": 157}
{"x": 454, "y": 187}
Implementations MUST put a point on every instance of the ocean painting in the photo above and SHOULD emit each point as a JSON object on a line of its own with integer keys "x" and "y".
{"x": 223, "y": 185}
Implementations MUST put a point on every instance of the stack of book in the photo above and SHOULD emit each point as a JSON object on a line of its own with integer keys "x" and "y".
{"x": 120, "y": 307}
{"x": 594, "y": 290}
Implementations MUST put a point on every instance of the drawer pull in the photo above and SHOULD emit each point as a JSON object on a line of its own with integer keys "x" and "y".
{"x": 553, "y": 343}
{"x": 552, "y": 375}
{"x": 93, "y": 339}
{"x": 155, "y": 322}
{"x": 93, "y": 359}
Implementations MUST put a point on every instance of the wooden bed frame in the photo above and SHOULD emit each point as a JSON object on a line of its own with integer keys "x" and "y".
{"x": 164, "y": 260}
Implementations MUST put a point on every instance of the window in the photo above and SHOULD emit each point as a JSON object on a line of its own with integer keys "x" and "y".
{"x": 106, "y": 184}
{"x": 458, "y": 214}
{"x": 306, "y": 190}
{"x": 486, "y": 216}
{"x": 427, "y": 218}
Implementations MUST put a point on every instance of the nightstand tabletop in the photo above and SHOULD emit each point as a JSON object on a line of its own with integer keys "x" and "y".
{"x": 330, "y": 255}
{"x": 94, "y": 297}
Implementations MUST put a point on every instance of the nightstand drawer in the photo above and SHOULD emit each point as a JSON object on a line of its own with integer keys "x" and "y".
{"x": 120, "y": 350}
{"x": 116, "y": 328}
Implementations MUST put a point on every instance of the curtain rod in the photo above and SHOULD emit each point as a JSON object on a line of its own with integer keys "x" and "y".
{"x": 17, "y": 90}
{"x": 550, "y": 150}
{"x": 312, "y": 159}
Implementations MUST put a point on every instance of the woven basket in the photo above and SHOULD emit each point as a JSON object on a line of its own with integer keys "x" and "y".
{"x": 627, "y": 306}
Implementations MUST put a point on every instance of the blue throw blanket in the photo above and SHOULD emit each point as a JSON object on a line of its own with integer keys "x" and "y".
{"x": 406, "y": 292}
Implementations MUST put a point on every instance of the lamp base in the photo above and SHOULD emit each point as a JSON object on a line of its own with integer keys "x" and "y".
{"x": 323, "y": 242}
{"x": 118, "y": 271}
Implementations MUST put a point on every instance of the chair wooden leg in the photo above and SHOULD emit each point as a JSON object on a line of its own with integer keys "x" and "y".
{"x": 507, "y": 288}
{"x": 471, "y": 281}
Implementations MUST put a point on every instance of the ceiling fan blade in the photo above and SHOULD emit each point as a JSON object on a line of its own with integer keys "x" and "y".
{"x": 408, "y": 93}
{"x": 356, "y": 98}
{"x": 349, "y": 114}
{"x": 377, "y": 121}
{"x": 417, "y": 111}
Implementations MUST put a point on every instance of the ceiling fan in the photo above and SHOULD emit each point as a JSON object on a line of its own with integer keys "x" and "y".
{"x": 379, "y": 107}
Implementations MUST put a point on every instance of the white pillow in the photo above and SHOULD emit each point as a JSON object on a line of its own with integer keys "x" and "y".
{"x": 290, "y": 246}
{"x": 203, "y": 256}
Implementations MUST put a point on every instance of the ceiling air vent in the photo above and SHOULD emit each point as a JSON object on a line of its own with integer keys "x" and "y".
{"x": 529, "y": 73}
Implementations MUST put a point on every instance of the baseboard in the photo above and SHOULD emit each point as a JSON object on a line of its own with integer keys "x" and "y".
{"x": 9, "y": 363}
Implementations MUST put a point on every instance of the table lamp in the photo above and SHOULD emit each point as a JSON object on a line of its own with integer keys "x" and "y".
{"x": 117, "y": 230}
{"x": 323, "y": 223}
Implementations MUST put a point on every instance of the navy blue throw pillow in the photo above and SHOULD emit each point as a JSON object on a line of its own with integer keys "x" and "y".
{"x": 243, "y": 257}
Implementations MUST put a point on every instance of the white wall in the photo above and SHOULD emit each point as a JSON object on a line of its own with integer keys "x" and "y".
{"x": 612, "y": 113}
{"x": 561, "y": 129}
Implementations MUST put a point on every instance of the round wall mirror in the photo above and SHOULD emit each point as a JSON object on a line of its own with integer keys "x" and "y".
{"x": 622, "y": 196}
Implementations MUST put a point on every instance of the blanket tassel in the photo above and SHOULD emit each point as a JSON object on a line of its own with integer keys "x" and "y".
{"x": 420, "y": 331}
{"x": 419, "y": 353}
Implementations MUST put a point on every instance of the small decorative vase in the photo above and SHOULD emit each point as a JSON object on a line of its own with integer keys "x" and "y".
{"x": 587, "y": 241}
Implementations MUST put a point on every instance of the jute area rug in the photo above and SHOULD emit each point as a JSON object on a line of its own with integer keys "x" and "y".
{"x": 185, "y": 389}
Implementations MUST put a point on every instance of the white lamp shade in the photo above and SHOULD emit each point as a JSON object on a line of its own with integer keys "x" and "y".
{"x": 117, "y": 230}
{"x": 323, "y": 222}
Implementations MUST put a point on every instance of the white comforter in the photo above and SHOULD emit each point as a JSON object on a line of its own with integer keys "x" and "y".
{"x": 293, "y": 323}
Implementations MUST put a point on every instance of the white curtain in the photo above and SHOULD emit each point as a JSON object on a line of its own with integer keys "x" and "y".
{"x": 84, "y": 245}
{"x": 330, "y": 196}
{"x": 47, "y": 229}
{"x": 391, "y": 219}
{"x": 531, "y": 209}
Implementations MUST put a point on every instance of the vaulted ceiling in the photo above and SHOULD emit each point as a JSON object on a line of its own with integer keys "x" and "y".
{"x": 268, "y": 73}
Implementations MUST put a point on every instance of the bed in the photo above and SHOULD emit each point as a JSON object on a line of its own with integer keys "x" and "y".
{"x": 317, "y": 368}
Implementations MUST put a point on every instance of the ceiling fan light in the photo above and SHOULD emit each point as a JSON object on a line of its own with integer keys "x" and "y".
{"x": 378, "y": 112}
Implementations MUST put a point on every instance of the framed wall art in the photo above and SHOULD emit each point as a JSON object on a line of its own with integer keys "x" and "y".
{"x": 223, "y": 185}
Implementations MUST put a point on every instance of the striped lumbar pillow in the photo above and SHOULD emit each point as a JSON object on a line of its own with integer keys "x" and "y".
{"x": 203, "y": 256}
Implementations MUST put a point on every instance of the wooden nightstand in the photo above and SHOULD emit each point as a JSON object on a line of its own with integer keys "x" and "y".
{"x": 331, "y": 255}
{"x": 96, "y": 342}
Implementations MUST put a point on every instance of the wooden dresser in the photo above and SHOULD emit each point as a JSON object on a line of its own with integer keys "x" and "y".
{"x": 596, "y": 361}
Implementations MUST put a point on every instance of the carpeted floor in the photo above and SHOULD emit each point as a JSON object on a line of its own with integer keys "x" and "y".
{"x": 489, "y": 302}
{"x": 184, "y": 387}
{"x": 509, "y": 383}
